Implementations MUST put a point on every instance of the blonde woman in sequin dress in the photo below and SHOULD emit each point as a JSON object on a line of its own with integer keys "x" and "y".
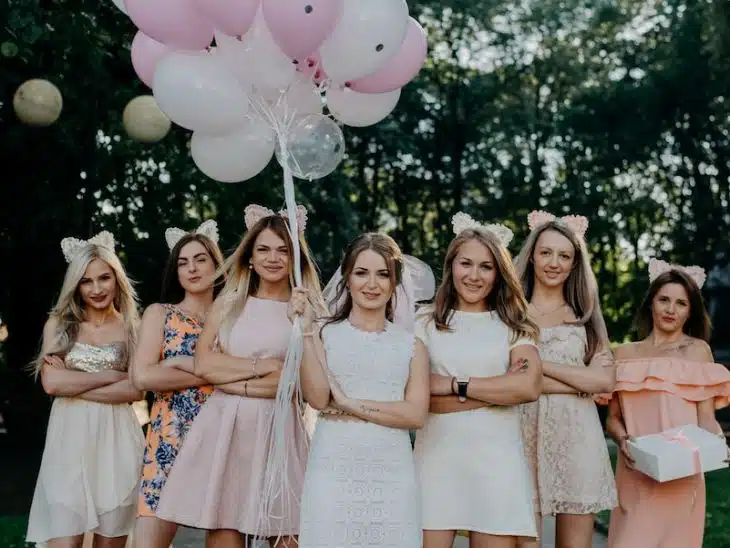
{"x": 91, "y": 461}
{"x": 563, "y": 436}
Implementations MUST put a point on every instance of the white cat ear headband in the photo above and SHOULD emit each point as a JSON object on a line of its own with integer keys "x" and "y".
{"x": 658, "y": 267}
{"x": 577, "y": 223}
{"x": 254, "y": 213}
{"x": 208, "y": 228}
{"x": 72, "y": 246}
{"x": 461, "y": 222}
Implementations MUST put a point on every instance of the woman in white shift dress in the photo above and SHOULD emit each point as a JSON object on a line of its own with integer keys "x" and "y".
{"x": 470, "y": 457}
{"x": 369, "y": 379}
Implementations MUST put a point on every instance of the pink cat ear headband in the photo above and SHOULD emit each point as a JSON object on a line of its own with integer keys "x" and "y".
{"x": 254, "y": 213}
{"x": 658, "y": 267}
{"x": 577, "y": 223}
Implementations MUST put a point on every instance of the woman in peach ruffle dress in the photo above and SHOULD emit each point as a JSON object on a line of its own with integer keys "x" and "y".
{"x": 666, "y": 380}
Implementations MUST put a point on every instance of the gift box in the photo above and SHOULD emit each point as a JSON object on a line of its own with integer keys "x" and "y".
{"x": 678, "y": 453}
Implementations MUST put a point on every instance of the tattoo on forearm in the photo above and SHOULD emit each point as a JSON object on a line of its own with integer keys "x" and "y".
{"x": 522, "y": 365}
{"x": 368, "y": 410}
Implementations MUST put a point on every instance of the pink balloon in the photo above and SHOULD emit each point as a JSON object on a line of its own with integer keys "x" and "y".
{"x": 175, "y": 23}
{"x": 146, "y": 52}
{"x": 232, "y": 17}
{"x": 300, "y": 26}
{"x": 401, "y": 68}
{"x": 311, "y": 67}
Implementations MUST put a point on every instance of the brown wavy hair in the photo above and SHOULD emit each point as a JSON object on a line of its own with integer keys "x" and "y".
{"x": 172, "y": 291}
{"x": 384, "y": 246}
{"x": 698, "y": 324}
{"x": 580, "y": 290}
{"x": 506, "y": 297}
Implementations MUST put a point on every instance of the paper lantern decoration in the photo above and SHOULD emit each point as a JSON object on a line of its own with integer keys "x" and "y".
{"x": 37, "y": 103}
{"x": 144, "y": 121}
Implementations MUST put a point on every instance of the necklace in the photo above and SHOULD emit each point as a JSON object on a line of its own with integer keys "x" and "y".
{"x": 99, "y": 323}
{"x": 540, "y": 313}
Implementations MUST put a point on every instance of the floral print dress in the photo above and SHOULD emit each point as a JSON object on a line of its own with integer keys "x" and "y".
{"x": 172, "y": 412}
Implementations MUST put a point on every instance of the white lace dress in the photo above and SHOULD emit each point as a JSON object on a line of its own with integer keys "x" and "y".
{"x": 360, "y": 487}
{"x": 472, "y": 466}
{"x": 564, "y": 438}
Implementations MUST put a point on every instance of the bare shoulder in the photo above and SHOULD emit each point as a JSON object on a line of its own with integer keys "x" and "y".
{"x": 51, "y": 326}
{"x": 698, "y": 350}
{"x": 155, "y": 311}
{"x": 628, "y": 351}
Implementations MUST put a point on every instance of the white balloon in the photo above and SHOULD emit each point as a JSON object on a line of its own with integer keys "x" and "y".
{"x": 237, "y": 156}
{"x": 315, "y": 147}
{"x": 360, "y": 109}
{"x": 197, "y": 92}
{"x": 256, "y": 60}
{"x": 369, "y": 33}
{"x": 302, "y": 98}
{"x": 120, "y": 4}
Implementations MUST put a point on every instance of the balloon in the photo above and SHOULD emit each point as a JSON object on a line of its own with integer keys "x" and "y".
{"x": 37, "y": 103}
{"x": 120, "y": 4}
{"x": 233, "y": 17}
{"x": 311, "y": 66}
{"x": 399, "y": 69}
{"x": 237, "y": 156}
{"x": 144, "y": 121}
{"x": 198, "y": 93}
{"x": 175, "y": 23}
{"x": 300, "y": 26}
{"x": 369, "y": 33}
{"x": 256, "y": 60}
{"x": 146, "y": 53}
{"x": 315, "y": 147}
{"x": 300, "y": 99}
{"x": 360, "y": 109}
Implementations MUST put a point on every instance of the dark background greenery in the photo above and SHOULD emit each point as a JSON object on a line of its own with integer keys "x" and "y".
{"x": 614, "y": 110}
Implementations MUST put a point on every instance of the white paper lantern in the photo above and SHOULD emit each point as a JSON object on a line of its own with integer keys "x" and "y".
{"x": 38, "y": 103}
{"x": 144, "y": 121}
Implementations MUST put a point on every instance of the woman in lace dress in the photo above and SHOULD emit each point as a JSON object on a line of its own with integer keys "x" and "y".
{"x": 217, "y": 482}
{"x": 562, "y": 430}
{"x": 163, "y": 364}
{"x": 369, "y": 379}
{"x": 91, "y": 461}
{"x": 470, "y": 456}
{"x": 667, "y": 379}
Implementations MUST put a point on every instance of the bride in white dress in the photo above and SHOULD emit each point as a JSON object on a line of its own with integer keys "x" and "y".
{"x": 369, "y": 379}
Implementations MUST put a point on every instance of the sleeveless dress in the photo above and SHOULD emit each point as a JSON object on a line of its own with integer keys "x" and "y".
{"x": 564, "y": 438}
{"x": 91, "y": 461}
{"x": 360, "y": 488}
{"x": 217, "y": 479}
{"x": 172, "y": 412}
{"x": 472, "y": 466}
{"x": 657, "y": 394}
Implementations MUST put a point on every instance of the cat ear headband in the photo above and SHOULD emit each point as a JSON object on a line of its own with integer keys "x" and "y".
{"x": 208, "y": 228}
{"x": 461, "y": 222}
{"x": 72, "y": 246}
{"x": 254, "y": 213}
{"x": 658, "y": 267}
{"x": 577, "y": 223}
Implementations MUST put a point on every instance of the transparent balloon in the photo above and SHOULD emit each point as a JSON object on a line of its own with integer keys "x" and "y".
{"x": 315, "y": 147}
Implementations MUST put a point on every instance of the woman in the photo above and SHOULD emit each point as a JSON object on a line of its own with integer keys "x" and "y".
{"x": 473, "y": 471}
{"x": 163, "y": 364}
{"x": 91, "y": 460}
{"x": 666, "y": 380}
{"x": 217, "y": 481}
{"x": 369, "y": 379}
{"x": 562, "y": 431}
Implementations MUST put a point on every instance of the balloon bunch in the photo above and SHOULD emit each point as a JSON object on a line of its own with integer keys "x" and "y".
{"x": 251, "y": 78}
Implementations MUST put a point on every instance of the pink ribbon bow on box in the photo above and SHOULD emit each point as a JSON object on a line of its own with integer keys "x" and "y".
{"x": 680, "y": 438}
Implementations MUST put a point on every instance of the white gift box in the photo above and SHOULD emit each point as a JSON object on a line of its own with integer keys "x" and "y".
{"x": 670, "y": 455}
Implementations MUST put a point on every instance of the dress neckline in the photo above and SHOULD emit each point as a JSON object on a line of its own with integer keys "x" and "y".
{"x": 385, "y": 329}
{"x": 105, "y": 345}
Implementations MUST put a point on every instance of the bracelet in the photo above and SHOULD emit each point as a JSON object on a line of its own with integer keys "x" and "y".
{"x": 253, "y": 367}
{"x": 453, "y": 382}
{"x": 245, "y": 389}
{"x": 308, "y": 334}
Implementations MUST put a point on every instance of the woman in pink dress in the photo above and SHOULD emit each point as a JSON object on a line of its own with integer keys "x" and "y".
{"x": 564, "y": 438}
{"x": 217, "y": 482}
{"x": 666, "y": 380}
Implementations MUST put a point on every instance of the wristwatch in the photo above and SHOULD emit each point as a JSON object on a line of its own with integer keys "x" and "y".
{"x": 462, "y": 383}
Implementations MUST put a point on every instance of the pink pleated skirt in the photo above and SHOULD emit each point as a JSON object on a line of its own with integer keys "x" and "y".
{"x": 217, "y": 481}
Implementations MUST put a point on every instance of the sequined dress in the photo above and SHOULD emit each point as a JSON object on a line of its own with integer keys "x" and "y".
{"x": 91, "y": 462}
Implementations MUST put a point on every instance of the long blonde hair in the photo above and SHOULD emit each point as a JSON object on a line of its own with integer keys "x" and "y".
{"x": 580, "y": 290}
{"x": 68, "y": 311}
{"x": 506, "y": 297}
{"x": 242, "y": 280}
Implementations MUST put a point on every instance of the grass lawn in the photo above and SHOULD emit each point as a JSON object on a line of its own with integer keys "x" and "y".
{"x": 717, "y": 516}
